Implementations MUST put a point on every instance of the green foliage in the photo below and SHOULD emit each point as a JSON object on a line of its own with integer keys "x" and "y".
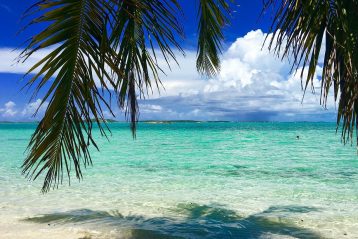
{"x": 135, "y": 23}
{"x": 213, "y": 15}
{"x": 63, "y": 135}
{"x": 111, "y": 43}
{"x": 300, "y": 27}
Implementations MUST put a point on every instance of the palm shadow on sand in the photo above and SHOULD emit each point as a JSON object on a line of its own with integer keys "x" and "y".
{"x": 200, "y": 221}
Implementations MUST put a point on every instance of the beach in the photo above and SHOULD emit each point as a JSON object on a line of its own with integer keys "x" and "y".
{"x": 190, "y": 180}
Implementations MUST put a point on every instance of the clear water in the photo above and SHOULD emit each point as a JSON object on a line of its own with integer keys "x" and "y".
{"x": 191, "y": 180}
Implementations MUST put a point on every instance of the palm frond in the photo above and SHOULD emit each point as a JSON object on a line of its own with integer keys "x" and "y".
{"x": 299, "y": 27}
{"x": 140, "y": 23}
{"x": 213, "y": 16}
{"x": 76, "y": 33}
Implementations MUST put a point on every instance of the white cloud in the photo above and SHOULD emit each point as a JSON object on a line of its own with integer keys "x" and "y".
{"x": 253, "y": 85}
{"x": 8, "y": 110}
{"x": 151, "y": 108}
{"x": 9, "y": 60}
{"x": 33, "y": 107}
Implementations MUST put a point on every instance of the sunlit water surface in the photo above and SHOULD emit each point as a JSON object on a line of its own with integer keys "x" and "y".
{"x": 191, "y": 180}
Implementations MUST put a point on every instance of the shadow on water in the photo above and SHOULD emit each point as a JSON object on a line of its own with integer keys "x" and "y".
{"x": 199, "y": 221}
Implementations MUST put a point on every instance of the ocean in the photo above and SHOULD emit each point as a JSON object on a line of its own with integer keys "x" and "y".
{"x": 190, "y": 180}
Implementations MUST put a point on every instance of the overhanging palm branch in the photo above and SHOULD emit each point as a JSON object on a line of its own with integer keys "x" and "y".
{"x": 299, "y": 29}
{"x": 139, "y": 23}
{"x": 72, "y": 69}
{"x": 213, "y": 16}
{"x": 88, "y": 39}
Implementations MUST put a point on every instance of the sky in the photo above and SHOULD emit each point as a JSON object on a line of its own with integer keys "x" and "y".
{"x": 253, "y": 84}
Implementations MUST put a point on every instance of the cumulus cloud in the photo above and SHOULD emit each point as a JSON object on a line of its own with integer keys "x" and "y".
{"x": 10, "y": 62}
{"x": 8, "y": 110}
{"x": 34, "y": 107}
{"x": 11, "y": 111}
{"x": 253, "y": 84}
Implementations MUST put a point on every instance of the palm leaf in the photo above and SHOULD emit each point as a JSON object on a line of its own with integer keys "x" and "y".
{"x": 299, "y": 28}
{"x": 76, "y": 31}
{"x": 140, "y": 23}
{"x": 213, "y": 16}
{"x": 88, "y": 37}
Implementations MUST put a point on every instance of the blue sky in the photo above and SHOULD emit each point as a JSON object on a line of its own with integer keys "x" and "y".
{"x": 253, "y": 85}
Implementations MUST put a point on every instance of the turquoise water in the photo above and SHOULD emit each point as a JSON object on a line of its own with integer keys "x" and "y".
{"x": 191, "y": 180}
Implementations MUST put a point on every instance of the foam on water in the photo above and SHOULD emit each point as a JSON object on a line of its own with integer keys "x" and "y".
{"x": 190, "y": 180}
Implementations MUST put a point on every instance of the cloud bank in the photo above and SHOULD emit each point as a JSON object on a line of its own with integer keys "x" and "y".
{"x": 12, "y": 112}
{"x": 253, "y": 85}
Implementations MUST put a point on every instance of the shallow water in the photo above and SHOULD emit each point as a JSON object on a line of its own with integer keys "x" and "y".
{"x": 191, "y": 180}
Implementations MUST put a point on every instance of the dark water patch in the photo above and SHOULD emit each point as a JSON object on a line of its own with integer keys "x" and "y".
{"x": 17, "y": 139}
{"x": 348, "y": 174}
{"x": 237, "y": 166}
{"x": 287, "y": 173}
{"x": 196, "y": 221}
{"x": 150, "y": 170}
{"x": 242, "y": 172}
{"x": 303, "y": 169}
